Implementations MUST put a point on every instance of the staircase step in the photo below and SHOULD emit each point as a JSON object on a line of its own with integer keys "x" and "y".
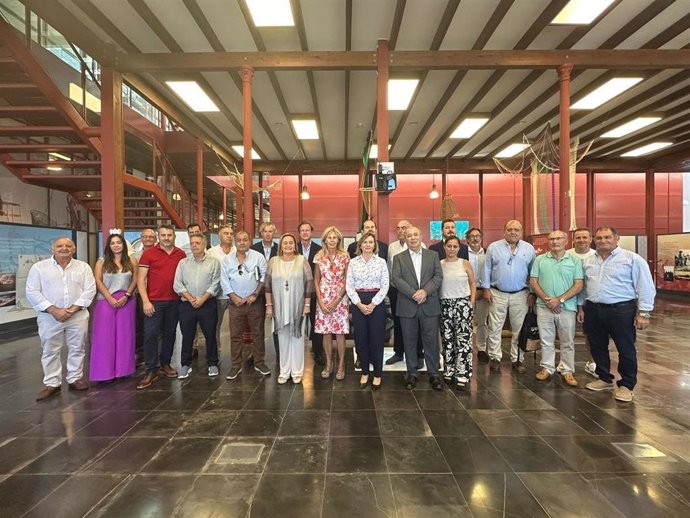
{"x": 34, "y": 130}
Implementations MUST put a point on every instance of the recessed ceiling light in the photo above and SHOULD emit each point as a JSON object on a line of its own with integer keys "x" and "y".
{"x": 511, "y": 150}
{"x": 306, "y": 129}
{"x": 239, "y": 149}
{"x": 469, "y": 127}
{"x": 400, "y": 92}
{"x": 649, "y": 148}
{"x": 581, "y": 12}
{"x": 630, "y": 127}
{"x": 606, "y": 92}
{"x": 271, "y": 13}
{"x": 193, "y": 96}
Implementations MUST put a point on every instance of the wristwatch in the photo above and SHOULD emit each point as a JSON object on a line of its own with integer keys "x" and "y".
{"x": 562, "y": 300}
{"x": 644, "y": 315}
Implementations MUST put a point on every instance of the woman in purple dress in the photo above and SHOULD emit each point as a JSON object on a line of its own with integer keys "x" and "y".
{"x": 113, "y": 336}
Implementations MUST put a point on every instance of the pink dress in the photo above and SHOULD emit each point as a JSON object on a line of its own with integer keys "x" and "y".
{"x": 332, "y": 282}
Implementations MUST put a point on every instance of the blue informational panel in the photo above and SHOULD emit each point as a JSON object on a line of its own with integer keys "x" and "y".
{"x": 435, "y": 234}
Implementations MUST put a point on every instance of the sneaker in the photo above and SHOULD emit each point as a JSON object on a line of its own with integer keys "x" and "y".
{"x": 591, "y": 369}
{"x": 262, "y": 369}
{"x": 623, "y": 394}
{"x": 569, "y": 379}
{"x": 599, "y": 385}
{"x": 297, "y": 380}
{"x": 234, "y": 372}
{"x": 184, "y": 372}
{"x": 519, "y": 367}
{"x": 147, "y": 380}
{"x": 282, "y": 380}
{"x": 543, "y": 375}
{"x": 495, "y": 365}
{"x": 394, "y": 359}
{"x": 213, "y": 371}
{"x": 483, "y": 357}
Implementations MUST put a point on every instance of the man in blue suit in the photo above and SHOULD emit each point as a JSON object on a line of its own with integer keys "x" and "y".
{"x": 369, "y": 226}
{"x": 448, "y": 229}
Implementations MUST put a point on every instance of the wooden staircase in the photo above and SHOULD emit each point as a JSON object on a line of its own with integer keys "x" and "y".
{"x": 45, "y": 141}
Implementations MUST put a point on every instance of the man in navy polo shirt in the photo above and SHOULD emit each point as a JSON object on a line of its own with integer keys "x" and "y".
{"x": 156, "y": 275}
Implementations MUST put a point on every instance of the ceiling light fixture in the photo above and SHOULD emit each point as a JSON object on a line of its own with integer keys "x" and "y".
{"x": 433, "y": 195}
{"x": 193, "y": 96}
{"x": 511, "y": 150}
{"x": 239, "y": 149}
{"x": 649, "y": 148}
{"x": 469, "y": 127}
{"x": 306, "y": 129}
{"x": 304, "y": 195}
{"x": 581, "y": 12}
{"x": 630, "y": 127}
{"x": 271, "y": 13}
{"x": 400, "y": 92}
{"x": 606, "y": 92}
{"x": 374, "y": 151}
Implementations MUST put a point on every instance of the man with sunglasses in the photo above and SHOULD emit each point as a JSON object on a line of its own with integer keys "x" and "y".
{"x": 505, "y": 285}
{"x": 242, "y": 280}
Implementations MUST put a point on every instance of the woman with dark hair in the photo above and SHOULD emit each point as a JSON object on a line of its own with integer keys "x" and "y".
{"x": 288, "y": 285}
{"x": 114, "y": 313}
{"x": 367, "y": 286}
{"x": 457, "y": 295}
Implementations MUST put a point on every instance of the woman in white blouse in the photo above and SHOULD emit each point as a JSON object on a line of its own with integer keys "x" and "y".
{"x": 457, "y": 295}
{"x": 367, "y": 286}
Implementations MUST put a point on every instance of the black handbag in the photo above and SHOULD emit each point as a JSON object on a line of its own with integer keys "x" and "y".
{"x": 528, "y": 340}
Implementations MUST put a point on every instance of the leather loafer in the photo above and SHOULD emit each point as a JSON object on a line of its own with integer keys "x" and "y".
{"x": 147, "y": 380}
{"x": 80, "y": 384}
{"x": 436, "y": 383}
{"x": 168, "y": 371}
{"x": 47, "y": 392}
{"x": 410, "y": 382}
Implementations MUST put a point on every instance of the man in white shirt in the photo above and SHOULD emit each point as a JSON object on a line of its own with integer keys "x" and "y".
{"x": 60, "y": 289}
{"x": 481, "y": 307}
{"x": 220, "y": 252}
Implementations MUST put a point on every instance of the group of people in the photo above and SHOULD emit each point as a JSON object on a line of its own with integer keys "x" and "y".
{"x": 309, "y": 290}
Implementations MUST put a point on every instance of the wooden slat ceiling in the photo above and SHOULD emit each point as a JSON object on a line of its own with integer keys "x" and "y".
{"x": 344, "y": 101}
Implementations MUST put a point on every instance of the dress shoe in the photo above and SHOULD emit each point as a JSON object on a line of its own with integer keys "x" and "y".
{"x": 543, "y": 375}
{"x": 363, "y": 384}
{"x": 519, "y": 367}
{"x": 147, "y": 380}
{"x": 436, "y": 383}
{"x": 495, "y": 365}
{"x": 394, "y": 359}
{"x": 483, "y": 357}
{"x": 168, "y": 371}
{"x": 376, "y": 386}
{"x": 569, "y": 379}
{"x": 47, "y": 392}
{"x": 623, "y": 394}
{"x": 80, "y": 384}
{"x": 410, "y": 382}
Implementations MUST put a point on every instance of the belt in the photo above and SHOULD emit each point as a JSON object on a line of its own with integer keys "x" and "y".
{"x": 370, "y": 290}
{"x": 508, "y": 292}
{"x": 614, "y": 305}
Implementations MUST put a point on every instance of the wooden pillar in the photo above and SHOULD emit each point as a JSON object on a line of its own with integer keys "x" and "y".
{"x": 382, "y": 64}
{"x": 225, "y": 205}
{"x": 112, "y": 155}
{"x": 300, "y": 202}
{"x": 260, "y": 199}
{"x": 650, "y": 219}
{"x": 527, "y": 226}
{"x": 200, "y": 183}
{"x": 591, "y": 201}
{"x": 564, "y": 144}
{"x": 360, "y": 198}
{"x": 480, "y": 190}
{"x": 247, "y": 77}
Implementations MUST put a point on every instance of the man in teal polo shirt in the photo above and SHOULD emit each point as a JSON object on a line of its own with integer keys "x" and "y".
{"x": 556, "y": 279}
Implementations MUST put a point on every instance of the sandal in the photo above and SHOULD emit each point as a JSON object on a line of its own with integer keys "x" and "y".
{"x": 326, "y": 373}
{"x": 340, "y": 375}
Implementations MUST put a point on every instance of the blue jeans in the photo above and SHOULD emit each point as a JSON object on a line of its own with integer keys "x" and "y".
{"x": 162, "y": 325}
{"x": 207, "y": 318}
{"x": 618, "y": 322}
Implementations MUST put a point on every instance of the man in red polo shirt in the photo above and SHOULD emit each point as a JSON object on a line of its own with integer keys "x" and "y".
{"x": 156, "y": 275}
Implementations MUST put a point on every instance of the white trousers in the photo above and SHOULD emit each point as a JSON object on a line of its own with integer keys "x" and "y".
{"x": 564, "y": 323}
{"x": 481, "y": 313}
{"x": 54, "y": 335}
{"x": 513, "y": 304}
{"x": 291, "y": 354}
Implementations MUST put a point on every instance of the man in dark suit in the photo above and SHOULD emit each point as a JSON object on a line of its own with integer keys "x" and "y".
{"x": 448, "y": 229}
{"x": 269, "y": 249}
{"x": 417, "y": 275}
{"x": 309, "y": 249}
{"x": 369, "y": 226}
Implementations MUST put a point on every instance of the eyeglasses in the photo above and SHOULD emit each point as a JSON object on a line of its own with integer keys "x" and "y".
{"x": 239, "y": 269}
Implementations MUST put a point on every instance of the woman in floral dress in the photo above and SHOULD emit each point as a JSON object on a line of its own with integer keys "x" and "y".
{"x": 332, "y": 306}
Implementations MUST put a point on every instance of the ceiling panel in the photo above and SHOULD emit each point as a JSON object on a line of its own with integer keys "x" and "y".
{"x": 362, "y": 106}
{"x": 224, "y": 15}
{"x": 371, "y": 21}
{"x": 131, "y": 25}
{"x": 177, "y": 20}
{"x": 324, "y": 22}
{"x": 295, "y": 88}
{"x": 516, "y": 23}
{"x": 419, "y": 24}
{"x": 330, "y": 92}
{"x": 614, "y": 21}
{"x": 468, "y": 23}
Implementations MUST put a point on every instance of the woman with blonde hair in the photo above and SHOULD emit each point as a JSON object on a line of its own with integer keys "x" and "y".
{"x": 288, "y": 286}
{"x": 330, "y": 270}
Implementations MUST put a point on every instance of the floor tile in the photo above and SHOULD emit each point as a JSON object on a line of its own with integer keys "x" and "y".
{"x": 414, "y": 455}
{"x": 529, "y": 454}
{"x": 353, "y": 400}
{"x": 395, "y": 400}
{"x": 219, "y": 463}
{"x": 474, "y": 454}
{"x": 184, "y": 455}
{"x": 17, "y": 453}
{"x": 298, "y": 455}
{"x": 363, "y": 496}
{"x": 356, "y": 455}
{"x": 585, "y": 453}
{"x": 278, "y": 492}
{"x": 229, "y": 496}
{"x": 311, "y": 400}
{"x": 354, "y": 422}
{"x": 403, "y": 423}
{"x": 68, "y": 456}
{"x": 428, "y": 495}
{"x": 209, "y": 423}
{"x": 305, "y": 423}
{"x": 456, "y": 422}
{"x": 19, "y": 493}
{"x": 499, "y": 495}
{"x": 159, "y": 424}
{"x": 128, "y": 456}
{"x": 256, "y": 423}
{"x": 500, "y": 422}
{"x": 549, "y": 422}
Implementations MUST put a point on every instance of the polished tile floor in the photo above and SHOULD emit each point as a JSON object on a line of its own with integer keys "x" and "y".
{"x": 510, "y": 446}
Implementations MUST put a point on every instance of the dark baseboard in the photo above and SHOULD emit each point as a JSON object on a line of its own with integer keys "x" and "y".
{"x": 19, "y": 329}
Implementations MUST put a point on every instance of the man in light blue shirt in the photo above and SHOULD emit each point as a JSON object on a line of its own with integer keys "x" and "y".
{"x": 556, "y": 279}
{"x": 618, "y": 296}
{"x": 505, "y": 283}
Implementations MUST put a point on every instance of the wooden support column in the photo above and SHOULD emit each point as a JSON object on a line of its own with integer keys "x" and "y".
{"x": 225, "y": 206}
{"x": 382, "y": 64}
{"x": 650, "y": 218}
{"x": 480, "y": 190}
{"x": 200, "y": 183}
{"x": 564, "y": 144}
{"x": 591, "y": 201}
{"x": 527, "y": 226}
{"x": 360, "y": 198}
{"x": 247, "y": 77}
{"x": 260, "y": 199}
{"x": 113, "y": 152}
{"x": 300, "y": 201}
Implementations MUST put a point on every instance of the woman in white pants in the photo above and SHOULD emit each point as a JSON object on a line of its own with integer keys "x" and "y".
{"x": 289, "y": 284}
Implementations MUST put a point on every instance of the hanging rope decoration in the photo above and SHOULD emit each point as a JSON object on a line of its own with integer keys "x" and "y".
{"x": 448, "y": 208}
{"x": 539, "y": 159}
